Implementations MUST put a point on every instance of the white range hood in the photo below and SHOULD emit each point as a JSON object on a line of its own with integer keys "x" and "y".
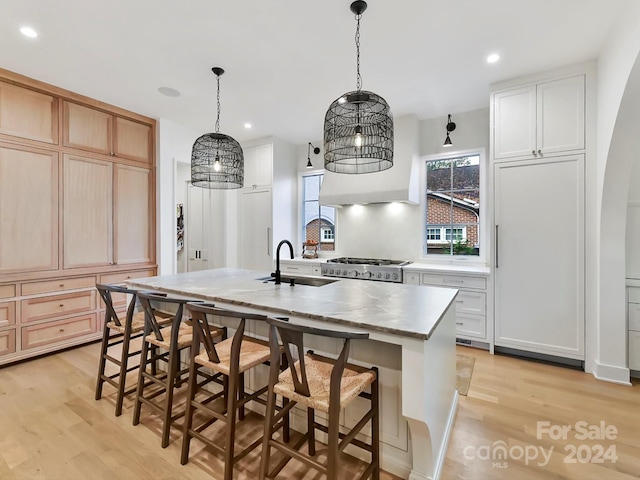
{"x": 399, "y": 183}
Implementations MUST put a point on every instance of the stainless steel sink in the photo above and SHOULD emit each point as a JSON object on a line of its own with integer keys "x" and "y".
{"x": 310, "y": 281}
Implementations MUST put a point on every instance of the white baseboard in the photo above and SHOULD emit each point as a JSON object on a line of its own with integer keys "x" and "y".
{"x": 612, "y": 373}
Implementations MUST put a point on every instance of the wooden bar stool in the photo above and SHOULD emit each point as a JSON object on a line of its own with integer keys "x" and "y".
{"x": 119, "y": 331}
{"x": 172, "y": 339}
{"x": 230, "y": 359}
{"x": 323, "y": 384}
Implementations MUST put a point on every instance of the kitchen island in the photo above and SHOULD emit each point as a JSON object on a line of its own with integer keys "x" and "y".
{"x": 411, "y": 340}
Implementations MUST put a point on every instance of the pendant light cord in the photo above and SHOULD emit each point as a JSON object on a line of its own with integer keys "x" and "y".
{"x": 358, "y": 76}
{"x": 218, "y": 119}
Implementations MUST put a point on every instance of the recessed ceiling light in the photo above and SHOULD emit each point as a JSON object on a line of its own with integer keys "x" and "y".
{"x": 29, "y": 32}
{"x": 247, "y": 125}
{"x": 493, "y": 58}
{"x": 169, "y": 92}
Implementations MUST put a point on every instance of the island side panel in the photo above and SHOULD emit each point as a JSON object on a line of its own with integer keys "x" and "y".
{"x": 429, "y": 397}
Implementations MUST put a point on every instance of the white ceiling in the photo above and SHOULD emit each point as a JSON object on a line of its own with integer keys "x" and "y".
{"x": 287, "y": 60}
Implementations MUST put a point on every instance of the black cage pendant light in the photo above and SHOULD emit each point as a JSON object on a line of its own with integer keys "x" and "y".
{"x": 216, "y": 159}
{"x": 358, "y": 127}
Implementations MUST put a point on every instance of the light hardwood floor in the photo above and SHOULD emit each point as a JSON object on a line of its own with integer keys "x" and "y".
{"x": 51, "y": 428}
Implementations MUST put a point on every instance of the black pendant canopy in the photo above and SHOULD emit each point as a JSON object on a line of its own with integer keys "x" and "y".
{"x": 358, "y": 127}
{"x": 217, "y": 160}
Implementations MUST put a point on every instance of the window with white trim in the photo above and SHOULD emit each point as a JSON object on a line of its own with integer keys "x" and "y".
{"x": 452, "y": 225}
{"x": 319, "y": 222}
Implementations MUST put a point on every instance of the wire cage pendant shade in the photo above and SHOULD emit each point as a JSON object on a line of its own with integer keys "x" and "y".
{"x": 217, "y": 160}
{"x": 358, "y": 126}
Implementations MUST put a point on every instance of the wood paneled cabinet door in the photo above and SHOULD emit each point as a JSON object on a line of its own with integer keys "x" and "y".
{"x": 28, "y": 209}
{"x": 93, "y": 130}
{"x": 133, "y": 215}
{"x": 87, "y": 207}
{"x": 28, "y": 114}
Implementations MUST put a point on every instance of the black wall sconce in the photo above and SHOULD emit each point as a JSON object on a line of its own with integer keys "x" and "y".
{"x": 450, "y": 128}
{"x": 316, "y": 150}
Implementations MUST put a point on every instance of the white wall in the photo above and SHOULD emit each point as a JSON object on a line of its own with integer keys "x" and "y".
{"x": 617, "y": 145}
{"x": 174, "y": 145}
{"x": 395, "y": 230}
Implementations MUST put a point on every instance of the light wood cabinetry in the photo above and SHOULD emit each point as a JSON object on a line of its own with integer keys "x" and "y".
{"x": 471, "y": 302}
{"x": 539, "y": 120}
{"x": 134, "y": 215}
{"x": 7, "y": 342}
{"x": 28, "y": 114}
{"x": 58, "y": 331}
{"x": 267, "y": 213}
{"x": 88, "y": 216}
{"x": 7, "y": 313}
{"x": 28, "y": 209}
{"x": 77, "y": 205}
{"x": 94, "y": 130}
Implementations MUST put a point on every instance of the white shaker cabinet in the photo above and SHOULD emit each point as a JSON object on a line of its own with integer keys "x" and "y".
{"x": 472, "y": 302}
{"x": 633, "y": 314}
{"x": 539, "y": 120}
{"x": 267, "y": 204}
{"x": 539, "y": 256}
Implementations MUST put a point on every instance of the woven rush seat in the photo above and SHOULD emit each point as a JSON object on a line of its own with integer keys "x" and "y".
{"x": 228, "y": 359}
{"x": 185, "y": 336}
{"x": 137, "y": 323}
{"x": 118, "y": 330}
{"x": 253, "y": 351}
{"x": 162, "y": 344}
{"x": 322, "y": 384}
{"x": 318, "y": 370}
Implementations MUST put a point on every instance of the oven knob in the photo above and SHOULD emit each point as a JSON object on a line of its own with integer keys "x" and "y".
{"x": 331, "y": 271}
{"x": 395, "y": 276}
{"x": 344, "y": 272}
{"x": 367, "y": 274}
{"x": 378, "y": 275}
{"x": 353, "y": 273}
{"x": 386, "y": 276}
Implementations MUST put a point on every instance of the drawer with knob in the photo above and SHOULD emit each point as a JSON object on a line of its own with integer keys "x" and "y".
{"x": 7, "y": 291}
{"x": 473, "y": 303}
{"x": 7, "y": 313}
{"x": 43, "y": 308}
{"x": 49, "y": 286}
{"x": 455, "y": 281}
{"x": 58, "y": 331}
{"x": 8, "y": 342}
{"x": 471, "y": 325}
{"x": 120, "y": 299}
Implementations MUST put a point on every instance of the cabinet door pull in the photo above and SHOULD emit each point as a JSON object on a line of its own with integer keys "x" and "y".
{"x": 268, "y": 241}
{"x": 496, "y": 246}
{"x": 540, "y": 152}
{"x": 459, "y": 323}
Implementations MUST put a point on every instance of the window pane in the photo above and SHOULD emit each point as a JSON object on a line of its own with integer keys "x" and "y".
{"x": 466, "y": 173}
{"x": 319, "y": 221}
{"x": 453, "y": 206}
{"x": 439, "y": 175}
{"x": 312, "y": 187}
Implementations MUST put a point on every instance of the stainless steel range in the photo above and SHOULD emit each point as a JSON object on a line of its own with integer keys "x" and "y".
{"x": 365, "y": 268}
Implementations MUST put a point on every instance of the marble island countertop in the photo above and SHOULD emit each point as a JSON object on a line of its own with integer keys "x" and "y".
{"x": 405, "y": 310}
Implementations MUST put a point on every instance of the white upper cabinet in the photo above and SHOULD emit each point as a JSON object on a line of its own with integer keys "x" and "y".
{"x": 539, "y": 120}
{"x": 258, "y": 166}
